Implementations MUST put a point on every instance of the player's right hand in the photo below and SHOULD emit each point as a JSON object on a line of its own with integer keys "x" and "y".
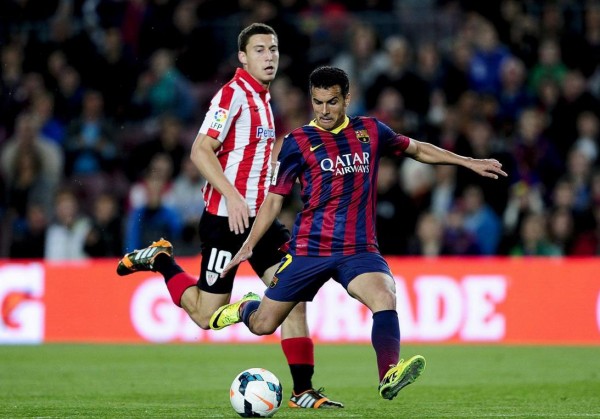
{"x": 239, "y": 214}
{"x": 243, "y": 254}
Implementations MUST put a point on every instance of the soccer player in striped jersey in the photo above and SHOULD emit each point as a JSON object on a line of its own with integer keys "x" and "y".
{"x": 233, "y": 152}
{"x": 335, "y": 158}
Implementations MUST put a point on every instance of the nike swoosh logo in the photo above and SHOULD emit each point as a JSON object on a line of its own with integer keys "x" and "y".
{"x": 313, "y": 148}
{"x": 268, "y": 403}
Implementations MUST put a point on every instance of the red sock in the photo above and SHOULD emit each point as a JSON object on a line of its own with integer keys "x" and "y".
{"x": 178, "y": 284}
{"x": 299, "y": 350}
{"x": 300, "y": 355}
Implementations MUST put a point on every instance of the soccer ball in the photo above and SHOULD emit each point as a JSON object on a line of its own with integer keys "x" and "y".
{"x": 256, "y": 393}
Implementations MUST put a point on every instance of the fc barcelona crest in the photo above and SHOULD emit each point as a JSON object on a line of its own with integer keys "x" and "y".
{"x": 363, "y": 136}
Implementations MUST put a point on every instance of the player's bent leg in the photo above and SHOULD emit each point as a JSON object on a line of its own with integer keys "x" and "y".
{"x": 295, "y": 324}
{"x": 269, "y": 316}
{"x": 201, "y": 305}
{"x": 401, "y": 375}
{"x": 376, "y": 290}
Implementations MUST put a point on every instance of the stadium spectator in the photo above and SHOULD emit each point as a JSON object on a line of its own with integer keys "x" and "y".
{"x": 549, "y": 65}
{"x": 487, "y": 59}
{"x": 27, "y": 184}
{"x": 428, "y": 240}
{"x": 588, "y": 136}
{"x": 152, "y": 218}
{"x": 396, "y": 214}
{"x": 533, "y": 239}
{"x": 362, "y": 59}
{"x": 90, "y": 147}
{"x": 458, "y": 241}
{"x": 187, "y": 198}
{"x": 482, "y": 143}
{"x": 11, "y": 79}
{"x": 27, "y": 138}
{"x": 42, "y": 106}
{"x": 159, "y": 171}
{"x": 537, "y": 159}
{"x": 69, "y": 94}
{"x": 163, "y": 89}
{"x": 168, "y": 140}
{"x": 514, "y": 96}
{"x": 574, "y": 99}
{"x": 28, "y": 235}
{"x": 444, "y": 190}
{"x": 524, "y": 199}
{"x": 561, "y": 231}
{"x": 193, "y": 38}
{"x": 481, "y": 220}
{"x": 587, "y": 243}
{"x": 104, "y": 238}
{"x": 396, "y": 72}
{"x": 66, "y": 234}
{"x": 455, "y": 78}
{"x": 116, "y": 74}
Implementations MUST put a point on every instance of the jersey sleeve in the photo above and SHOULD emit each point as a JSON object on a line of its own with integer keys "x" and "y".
{"x": 393, "y": 143}
{"x": 287, "y": 168}
{"x": 224, "y": 109}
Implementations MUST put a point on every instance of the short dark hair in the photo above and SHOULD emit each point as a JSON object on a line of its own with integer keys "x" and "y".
{"x": 253, "y": 29}
{"x": 325, "y": 77}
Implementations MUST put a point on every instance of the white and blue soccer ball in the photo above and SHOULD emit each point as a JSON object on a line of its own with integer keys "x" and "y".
{"x": 256, "y": 393}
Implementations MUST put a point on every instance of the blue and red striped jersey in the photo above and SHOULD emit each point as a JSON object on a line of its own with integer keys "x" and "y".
{"x": 338, "y": 177}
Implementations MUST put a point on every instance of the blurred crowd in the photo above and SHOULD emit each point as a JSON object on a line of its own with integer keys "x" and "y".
{"x": 100, "y": 101}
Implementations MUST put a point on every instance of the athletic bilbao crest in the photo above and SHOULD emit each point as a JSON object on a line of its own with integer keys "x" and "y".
{"x": 363, "y": 136}
{"x": 211, "y": 278}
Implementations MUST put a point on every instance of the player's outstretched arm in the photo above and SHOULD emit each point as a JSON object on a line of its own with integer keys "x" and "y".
{"x": 428, "y": 153}
{"x": 269, "y": 210}
{"x": 204, "y": 157}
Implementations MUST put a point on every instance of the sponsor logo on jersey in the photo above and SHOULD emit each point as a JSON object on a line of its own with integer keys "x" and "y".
{"x": 264, "y": 133}
{"x": 347, "y": 163}
{"x": 363, "y": 136}
{"x": 273, "y": 282}
{"x": 219, "y": 118}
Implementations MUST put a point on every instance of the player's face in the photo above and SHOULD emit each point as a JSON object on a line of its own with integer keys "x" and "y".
{"x": 329, "y": 106}
{"x": 261, "y": 58}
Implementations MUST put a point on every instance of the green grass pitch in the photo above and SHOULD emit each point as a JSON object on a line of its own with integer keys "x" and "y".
{"x": 192, "y": 381}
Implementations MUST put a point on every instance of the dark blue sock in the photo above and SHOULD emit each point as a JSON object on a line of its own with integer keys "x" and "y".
{"x": 248, "y": 308}
{"x": 385, "y": 337}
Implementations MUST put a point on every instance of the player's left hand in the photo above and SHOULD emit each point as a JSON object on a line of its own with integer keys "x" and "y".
{"x": 243, "y": 254}
{"x": 491, "y": 168}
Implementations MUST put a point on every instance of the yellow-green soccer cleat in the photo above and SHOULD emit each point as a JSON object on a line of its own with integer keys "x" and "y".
{"x": 401, "y": 375}
{"x": 143, "y": 259}
{"x": 230, "y": 313}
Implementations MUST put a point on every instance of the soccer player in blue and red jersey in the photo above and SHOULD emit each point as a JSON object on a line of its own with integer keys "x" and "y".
{"x": 336, "y": 159}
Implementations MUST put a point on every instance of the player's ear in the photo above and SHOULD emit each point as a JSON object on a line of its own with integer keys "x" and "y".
{"x": 242, "y": 57}
{"x": 347, "y": 100}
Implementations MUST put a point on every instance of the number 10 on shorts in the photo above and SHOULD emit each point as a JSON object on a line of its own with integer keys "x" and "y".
{"x": 218, "y": 260}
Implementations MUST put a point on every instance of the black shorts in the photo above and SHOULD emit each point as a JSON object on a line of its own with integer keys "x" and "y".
{"x": 219, "y": 245}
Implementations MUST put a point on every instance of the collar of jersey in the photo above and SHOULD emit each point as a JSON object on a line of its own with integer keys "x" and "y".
{"x": 337, "y": 130}
{"x": 240, "y": 73}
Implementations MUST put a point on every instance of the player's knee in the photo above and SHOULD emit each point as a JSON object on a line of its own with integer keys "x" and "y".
{"x": 261, "y": 326}
{"x": 202, "y": 320}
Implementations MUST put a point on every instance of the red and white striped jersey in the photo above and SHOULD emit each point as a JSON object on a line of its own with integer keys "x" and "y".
{"x": 241, "y": 118}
